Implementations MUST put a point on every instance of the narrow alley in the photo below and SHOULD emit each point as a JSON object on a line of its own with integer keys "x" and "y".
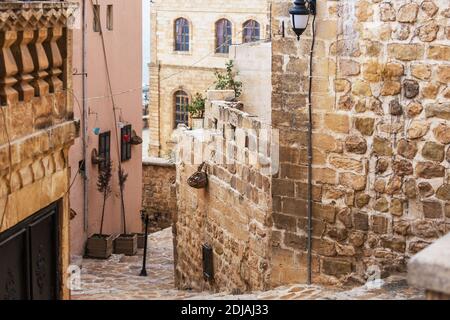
{"x": 118, "y": 279}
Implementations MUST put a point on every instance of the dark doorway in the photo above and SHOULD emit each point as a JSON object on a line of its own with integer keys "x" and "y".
{"x": 29, "y": 258}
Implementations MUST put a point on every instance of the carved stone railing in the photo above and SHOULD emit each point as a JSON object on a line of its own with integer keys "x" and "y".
{"x": 31, "y": 59}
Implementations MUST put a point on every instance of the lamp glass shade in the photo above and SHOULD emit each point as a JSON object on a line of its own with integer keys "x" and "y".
{"x": 299, "y": 21}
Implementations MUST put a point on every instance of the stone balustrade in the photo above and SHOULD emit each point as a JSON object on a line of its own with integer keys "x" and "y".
{"x": 32, "y": 50}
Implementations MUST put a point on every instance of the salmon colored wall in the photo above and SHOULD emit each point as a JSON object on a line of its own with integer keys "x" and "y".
{"x": 124, "y": 50}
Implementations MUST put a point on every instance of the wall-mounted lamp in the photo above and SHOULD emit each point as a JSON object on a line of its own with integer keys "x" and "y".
{"x": 300, "y": 13}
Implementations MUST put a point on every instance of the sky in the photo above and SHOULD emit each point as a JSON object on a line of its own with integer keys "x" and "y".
{"x": 145, "y": 39}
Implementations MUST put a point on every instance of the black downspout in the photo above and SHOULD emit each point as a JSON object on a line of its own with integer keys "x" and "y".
{"x": 310, "y": 151}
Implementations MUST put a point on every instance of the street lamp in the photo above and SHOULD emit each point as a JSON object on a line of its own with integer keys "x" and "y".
{"x": 300, "y": 15}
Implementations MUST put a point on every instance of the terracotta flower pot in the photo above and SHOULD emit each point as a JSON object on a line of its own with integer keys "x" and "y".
{"x": 126, "y": 244}
{"x": 99, "y": 246}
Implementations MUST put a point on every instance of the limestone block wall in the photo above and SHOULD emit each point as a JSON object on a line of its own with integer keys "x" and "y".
{"x": 381, "y": 106}
{"x": 36, "y": 115}
{"x": 232, "y": 214}
{"x": 191, "y": 71}
{"x": 158, "y": 193}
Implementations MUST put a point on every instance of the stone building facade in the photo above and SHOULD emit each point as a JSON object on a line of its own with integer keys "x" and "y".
{"x": 232, "y": 214}
{"x": 191, "y": 69}
{"x": 380, "y": 99}
{"x": 125, "y": 69}
{"x": 37, "y": 128}
{"x": 380, "y": 126}
{"x": 159, "y": 197}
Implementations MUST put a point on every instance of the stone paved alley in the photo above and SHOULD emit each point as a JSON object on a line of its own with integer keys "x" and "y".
{"x": 117, "y": 279}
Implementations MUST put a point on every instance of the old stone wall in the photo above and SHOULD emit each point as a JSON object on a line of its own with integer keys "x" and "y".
{"x": 232, "y": 214}
{"x": 158, "y": 193}
{"x": 381, "y": 105}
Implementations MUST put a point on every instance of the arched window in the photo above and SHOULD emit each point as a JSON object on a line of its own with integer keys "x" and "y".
{"x": 223, "y": 36}
{"x": 251, "y": 31}
{"x": 181, "y": 108}
{"x": 181, "y": 35}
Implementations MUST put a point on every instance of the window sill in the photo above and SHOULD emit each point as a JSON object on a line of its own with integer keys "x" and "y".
{"x": 182, "y": 53}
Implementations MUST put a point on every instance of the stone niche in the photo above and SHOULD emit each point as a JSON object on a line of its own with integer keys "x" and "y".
{"x": 36, "y": 118}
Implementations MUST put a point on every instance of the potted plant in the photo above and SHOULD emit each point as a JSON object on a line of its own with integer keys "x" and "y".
{"x": 197, "y": 110}
{"x": 227, "y": 81}
{"x": 100, "y": 245}
{"x": 124, "y": 243}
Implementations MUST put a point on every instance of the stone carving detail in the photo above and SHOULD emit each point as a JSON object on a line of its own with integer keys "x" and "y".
{"x": 25, "y": 65}
{"x": 8, "y": 68}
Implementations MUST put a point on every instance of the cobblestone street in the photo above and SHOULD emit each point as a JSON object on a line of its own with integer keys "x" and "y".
{"x": 118, "y": 278}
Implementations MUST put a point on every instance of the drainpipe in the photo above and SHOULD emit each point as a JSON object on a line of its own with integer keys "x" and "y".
{"x": 85, "y": 120}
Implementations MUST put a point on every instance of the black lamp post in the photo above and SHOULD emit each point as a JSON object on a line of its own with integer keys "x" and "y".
{"x": 300, "y": 13}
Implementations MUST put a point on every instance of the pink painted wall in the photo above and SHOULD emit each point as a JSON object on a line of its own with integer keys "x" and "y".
{"x": 124, "y": 50}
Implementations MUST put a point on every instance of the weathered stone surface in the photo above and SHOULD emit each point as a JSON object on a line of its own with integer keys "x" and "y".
{"x": 408, "y": 13}
{"x": 391, "y": 88}
{"x": 417, "y": 130}
{"x": 395, "y": 108}
{"x": 394, "y": 185}
{"x": 336, "y": 268}
{"x": 361, "y": 221}
{"x": 411, "y": 88}
{"x": 410, "y": 188}
{"x": 387, "y": 12}
{"x": 361, "y": 200}
{"x": 443, "y": 192}
{"x": 337, "y": 122}
{"x": 382, "y": 146}
{"x": 361, "y": 88}
{"x": 442, "y": 133}
{"x": 379, "y": 224}
{"x": 443, "y": 74}
{"x": 365, "y": 125}
{"x": 372, "y": 71}
{"x": 429, "y": 7}
{"x": 430, "y": 90}
{"x": 414, "y": 109}
{"x": 402, "y": 167}
{"x": 407, "y": 149}
{"x": 393, "y": 70}
{"x": 428, "y": 32}
{"x": 421, "y": 71}
{"x": 438, "y": 52}
{"x": 355, "y": 144}
{"x": 379, "y": 185}
{"x": 438, "y": 110}
{"x": 395, "y": 244}
{"x": 429, "y": 170}
{"x": 381, "y": 205}
{"x": 432, "y": 209}
{"x": 407, "y": 52}
{"x": 346, "y": 163}
{"x": 425, "y": 189}
{"x": 353, "y": 181}
{"x": 382, "y": 165}
{"x": 433, "y": 151}
{"x": 349, "y": 67}
{"x": 345, "y": 216}
{"x": 396, "y": 208}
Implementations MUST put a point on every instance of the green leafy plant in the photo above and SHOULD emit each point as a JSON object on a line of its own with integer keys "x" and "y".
{"x": 227, "y": 81}
{"x": 104, "y": 186}
{"x": 197, "y": 107}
